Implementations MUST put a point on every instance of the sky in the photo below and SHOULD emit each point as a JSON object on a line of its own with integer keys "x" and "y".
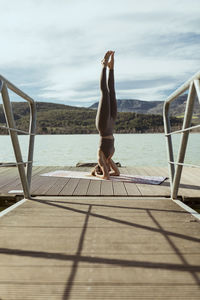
{"x": 52, "y": 50}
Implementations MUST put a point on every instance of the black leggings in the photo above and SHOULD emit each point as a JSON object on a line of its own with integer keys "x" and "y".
{"x": 107, "y": 109}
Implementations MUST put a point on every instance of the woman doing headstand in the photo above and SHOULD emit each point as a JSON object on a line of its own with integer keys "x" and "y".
{"x": 105, "y": 120}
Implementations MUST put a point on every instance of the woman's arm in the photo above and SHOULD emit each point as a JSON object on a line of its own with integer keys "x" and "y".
{"x": 103, "y": 165}
{"x": 115, "y": 171}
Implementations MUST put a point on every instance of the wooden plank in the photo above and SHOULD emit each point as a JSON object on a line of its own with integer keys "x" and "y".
{"x": 38, "y": 181}
{"x": 8, "y": 176}
{"x": 5, "y": 169}
{"x": 119, "y": 189}
{"x": 195, "y": 172}
{"x": 100, "y": 290}
{"x": 10, "y": 180}
{"x": 131, "y": 188}
{"x": 56, "y": 188}
{"x": 123, "y": 170}
{"x": 147, "y": 190}
{"x": 99, "y": 248}
{"x": 15, "y": 183}
{"x": 94, "y": 188}
{"x": 156, "y": 171}
{"x": 36, "y": 170}
{"x": 131, "y": 170}
{"x": 137, "y": 171}
{"x": 43, "y": 183}
{"x": 69, "y": 188}
{"x": 58, "y": 184}
{"x": 46, "y": 183}
{"x": 106, "y": 188}
{"x": 82, "y": 187}
{"x": 189, "y": 187}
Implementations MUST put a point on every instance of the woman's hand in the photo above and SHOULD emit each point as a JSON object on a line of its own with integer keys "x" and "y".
{"x": 107, "y": 177}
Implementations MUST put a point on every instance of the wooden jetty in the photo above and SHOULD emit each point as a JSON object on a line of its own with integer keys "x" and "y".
{"x": 54, "y": 186}
{"x": 84, "y": 239}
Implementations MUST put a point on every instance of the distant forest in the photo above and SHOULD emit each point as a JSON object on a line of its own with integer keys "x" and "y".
{"x": 62, "y": 119}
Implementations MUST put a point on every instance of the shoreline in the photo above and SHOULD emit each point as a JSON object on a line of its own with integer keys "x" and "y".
{"x": 120, "y": 133}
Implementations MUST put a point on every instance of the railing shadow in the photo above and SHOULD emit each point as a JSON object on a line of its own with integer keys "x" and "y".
{"x": 74, "y": 269}
{"x": 174, "y": 247}
{"x": 183, "y": 185}
{"x": 120, "y": 206}
{"x": 153, "y": 229}
{"x": 78, "y": 257}
{"x": 101, "y": 260}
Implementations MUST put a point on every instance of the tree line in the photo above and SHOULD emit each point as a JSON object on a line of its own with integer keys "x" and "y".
{"x": 62, "y": 119}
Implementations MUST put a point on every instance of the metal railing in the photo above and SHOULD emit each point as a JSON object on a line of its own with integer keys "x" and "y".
{"x": 175, "y": 168}
{"x": 25, "y": 174}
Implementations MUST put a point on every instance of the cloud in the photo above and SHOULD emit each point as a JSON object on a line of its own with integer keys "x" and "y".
{"x": 138, "y": 84}
{"x": 53, "y": 51}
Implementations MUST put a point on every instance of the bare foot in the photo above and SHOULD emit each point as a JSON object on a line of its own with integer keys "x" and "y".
{"x": 106, "y": 58}
{"x": 111, "y": 62}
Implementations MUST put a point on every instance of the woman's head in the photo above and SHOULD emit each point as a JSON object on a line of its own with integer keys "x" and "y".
{"x": 97, "y": 170}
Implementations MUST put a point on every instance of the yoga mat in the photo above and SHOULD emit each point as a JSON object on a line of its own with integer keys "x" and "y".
{"x": 122, "y": 177}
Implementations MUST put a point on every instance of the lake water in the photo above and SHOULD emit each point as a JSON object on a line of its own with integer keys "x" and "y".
{"x": 130, "y": 149}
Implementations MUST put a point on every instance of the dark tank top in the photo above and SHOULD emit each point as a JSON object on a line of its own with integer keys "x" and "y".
{"x": 107, "y": 146}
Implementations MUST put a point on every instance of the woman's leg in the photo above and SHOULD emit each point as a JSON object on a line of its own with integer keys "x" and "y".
{"x": 113, "y": 102}
{"x": 103, "y": 112}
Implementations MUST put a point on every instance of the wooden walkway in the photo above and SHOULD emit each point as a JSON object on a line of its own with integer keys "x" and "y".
{"x": 61, "y": 248}
{"x": 54, "y": 186}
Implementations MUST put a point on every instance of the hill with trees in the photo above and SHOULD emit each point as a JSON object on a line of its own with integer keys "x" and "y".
{"x": 55, "y": 118}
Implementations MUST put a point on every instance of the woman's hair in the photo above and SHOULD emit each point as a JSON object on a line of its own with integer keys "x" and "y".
{"x": 97, "y": 170}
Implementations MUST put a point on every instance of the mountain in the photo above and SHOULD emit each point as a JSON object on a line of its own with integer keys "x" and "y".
{"x": 177, "y": 107}
{"x": 133, "y": 105}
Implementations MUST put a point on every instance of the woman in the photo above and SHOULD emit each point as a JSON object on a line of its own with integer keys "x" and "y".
{"x": 105, "y": 120}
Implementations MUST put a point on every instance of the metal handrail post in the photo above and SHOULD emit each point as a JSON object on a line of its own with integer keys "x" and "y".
{"x": 167, "y": 128}
{"x": 1, "y": 85}
{"x": 175, "y": 168}
{"x": 32, "y": 130}
{"x": 14, "y": 138}
{"x": 197, "y": 87}
{"x": 184, "y": 139}
{"x": 16, "y": 90}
